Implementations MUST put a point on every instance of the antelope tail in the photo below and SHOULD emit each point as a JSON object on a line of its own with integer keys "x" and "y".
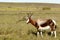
{"x": 55, "y": 26}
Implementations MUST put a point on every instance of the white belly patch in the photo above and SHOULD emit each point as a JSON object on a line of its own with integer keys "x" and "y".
{"x": 44, "y": 28}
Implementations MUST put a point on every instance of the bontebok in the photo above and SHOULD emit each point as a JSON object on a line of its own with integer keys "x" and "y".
{"x": 42, "y": 24}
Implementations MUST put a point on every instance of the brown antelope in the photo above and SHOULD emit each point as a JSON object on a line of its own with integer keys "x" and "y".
{"x": 41, "y": 25}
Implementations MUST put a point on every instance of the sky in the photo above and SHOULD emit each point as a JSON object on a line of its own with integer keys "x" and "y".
{"x": 33, "y": 1}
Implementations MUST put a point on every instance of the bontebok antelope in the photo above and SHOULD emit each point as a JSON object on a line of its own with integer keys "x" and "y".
{"x": 41, "y": 25}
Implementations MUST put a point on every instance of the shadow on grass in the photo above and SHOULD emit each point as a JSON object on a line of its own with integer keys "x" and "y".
{"x": 32, "y": 32}
{"x": 35, "y": 33}
{"x": 49, "y": 33}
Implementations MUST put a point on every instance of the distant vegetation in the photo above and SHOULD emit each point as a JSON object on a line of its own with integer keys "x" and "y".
{"x": 46, "y": 8}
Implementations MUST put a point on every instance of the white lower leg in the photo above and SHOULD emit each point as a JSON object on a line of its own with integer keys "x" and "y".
{"x": 37, "y": 33}
{"x": 55, "y": 34}
{"x": 51, "y": 33}
{"x": 41, "y": 34}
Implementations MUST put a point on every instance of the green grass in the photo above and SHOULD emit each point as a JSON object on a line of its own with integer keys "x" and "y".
{"x": 11, "y": 30}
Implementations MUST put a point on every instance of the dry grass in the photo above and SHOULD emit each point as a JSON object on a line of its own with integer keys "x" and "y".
{"x": 10, "y": 30}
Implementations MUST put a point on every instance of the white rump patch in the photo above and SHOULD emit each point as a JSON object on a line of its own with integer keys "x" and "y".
{"x": 44, "y": 28}
{"x": 54, "y": 22}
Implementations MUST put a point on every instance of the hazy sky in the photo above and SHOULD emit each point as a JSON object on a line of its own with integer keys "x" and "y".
{"x": 37, "y": 1}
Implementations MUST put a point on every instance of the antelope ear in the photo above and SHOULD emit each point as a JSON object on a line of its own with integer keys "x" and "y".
{"x": 32, "y": 17}
{"x": 31, "y": 14}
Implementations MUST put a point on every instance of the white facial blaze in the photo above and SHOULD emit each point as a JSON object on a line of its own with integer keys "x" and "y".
{"x": 27, "y": 21}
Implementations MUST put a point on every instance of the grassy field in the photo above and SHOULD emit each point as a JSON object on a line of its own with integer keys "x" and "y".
{"x": 10, "y": 13}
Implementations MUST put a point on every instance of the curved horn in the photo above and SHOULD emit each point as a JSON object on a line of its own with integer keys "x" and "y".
{"x": 29, "y": 14}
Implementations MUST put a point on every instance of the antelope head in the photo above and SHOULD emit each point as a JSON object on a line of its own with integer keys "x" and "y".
{"x": 28, "y": 17}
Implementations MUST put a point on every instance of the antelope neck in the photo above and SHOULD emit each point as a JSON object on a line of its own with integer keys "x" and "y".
{"x": 34, "y": 23}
